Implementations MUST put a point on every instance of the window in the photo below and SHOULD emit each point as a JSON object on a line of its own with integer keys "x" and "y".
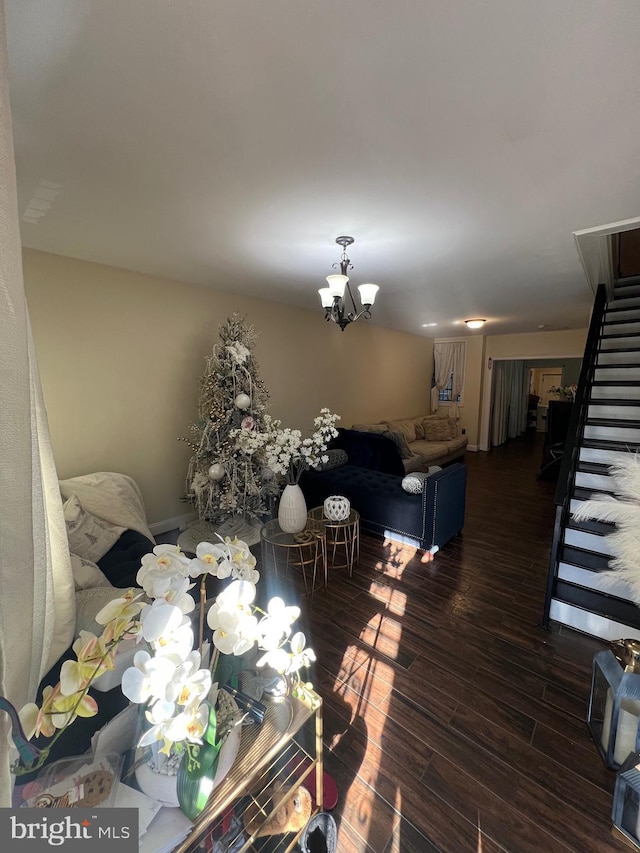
{"x": 444, "y": 394}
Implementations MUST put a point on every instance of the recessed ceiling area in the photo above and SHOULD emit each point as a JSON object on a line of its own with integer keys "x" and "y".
{"x": 229, "y": 144}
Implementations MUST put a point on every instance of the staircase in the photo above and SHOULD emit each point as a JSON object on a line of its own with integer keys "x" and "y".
{"x": 606, "y": 426}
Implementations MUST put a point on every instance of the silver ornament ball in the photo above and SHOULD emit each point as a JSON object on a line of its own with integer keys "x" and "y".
{"x": 216, "y": 471}
{"x": 242, "y": 401}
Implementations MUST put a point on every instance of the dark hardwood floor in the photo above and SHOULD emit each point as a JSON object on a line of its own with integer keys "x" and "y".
{"x": 452, "y": 721}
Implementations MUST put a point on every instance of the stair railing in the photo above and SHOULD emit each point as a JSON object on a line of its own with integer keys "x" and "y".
{"x": 575, "y": 433}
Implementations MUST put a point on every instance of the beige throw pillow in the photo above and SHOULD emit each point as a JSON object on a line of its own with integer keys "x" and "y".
{"x": 86, "y": 575}
{"x": 437, "y": 429}
{"x": 407, "y": 428}
{"x": 89, "y": 536}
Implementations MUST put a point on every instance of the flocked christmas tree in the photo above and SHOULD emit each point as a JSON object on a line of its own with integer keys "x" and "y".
{"x": 226, "y": 485}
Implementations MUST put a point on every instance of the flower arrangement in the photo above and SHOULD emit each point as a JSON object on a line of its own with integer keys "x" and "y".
{"x": 284, "y": 451}
{"x": 566, "y": 391}
{"x": 167, "y": 676}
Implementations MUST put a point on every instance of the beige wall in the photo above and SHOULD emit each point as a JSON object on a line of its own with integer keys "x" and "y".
{"x": 569, "y": 343}
{"x": 537, "y": 344}
{"x": 120, "y": 354}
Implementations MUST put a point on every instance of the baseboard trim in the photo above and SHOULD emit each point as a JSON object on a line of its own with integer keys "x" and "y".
{"x": 472, "y": 447}
{"x": 178, "y": 522}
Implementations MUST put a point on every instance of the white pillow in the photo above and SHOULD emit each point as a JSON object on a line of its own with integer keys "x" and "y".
{"x": 89, "y": 602}
{"x": 89, "y": 536}
{"x": 86, "y": 575}
{"x": 412, "y": 483}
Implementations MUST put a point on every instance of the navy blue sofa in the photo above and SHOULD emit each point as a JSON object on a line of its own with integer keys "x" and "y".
{"x": 423, "y": 520}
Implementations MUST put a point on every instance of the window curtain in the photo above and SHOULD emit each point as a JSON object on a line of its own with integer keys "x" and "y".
{"x": 37, "y": 603}
{"x": 509, "y": 398}
{"x": 448, "y": 359}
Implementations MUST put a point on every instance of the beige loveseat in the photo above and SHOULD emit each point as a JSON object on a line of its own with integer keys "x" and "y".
{"x": 422, "y": 441}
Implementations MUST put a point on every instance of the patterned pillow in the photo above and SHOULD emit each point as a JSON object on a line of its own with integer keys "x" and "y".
{"x": 412, "y": 483}
{"x": 337, "y": 458}
{"x": 86, "y": 575}
{"x": 89, "y": 536}
{"x": 407, "y": 428}
{"x": 438, "y": 429}
{"x": 400, "y": 442}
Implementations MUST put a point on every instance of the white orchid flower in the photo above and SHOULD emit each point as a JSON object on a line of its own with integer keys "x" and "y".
{"x": 299, "y": 655}
{"x": 277, "y": 659}
{"x": 160, "y": 619}
{"x": 274, "y": 628}
{"x": 125, "y": 608}
{"x": 190, "y": 682}
{"x": 236, "y": 631}
{"x": 190, "y": 724}
{"x": 176, "y": 645}
{"x": 148, "y": 677}
{"x": 207, "y": 559}
{"x": 165, "y": 561}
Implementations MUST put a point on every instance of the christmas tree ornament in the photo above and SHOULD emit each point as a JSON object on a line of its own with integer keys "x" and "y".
{"x": 248, "y": 422}
{"x": 216, "y": 472}
{"x": 242, "y": 401}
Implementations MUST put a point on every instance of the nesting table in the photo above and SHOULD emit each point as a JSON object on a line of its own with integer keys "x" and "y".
{"x": 306, "y": 550}
{"x": 343, "y": 538}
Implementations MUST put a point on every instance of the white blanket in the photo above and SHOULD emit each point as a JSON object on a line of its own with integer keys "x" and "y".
{"x": 114, "y": 497}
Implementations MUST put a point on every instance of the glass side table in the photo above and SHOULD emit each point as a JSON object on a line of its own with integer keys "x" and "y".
{"x": 343, "y": 537}
{"x": 306, "y": 550}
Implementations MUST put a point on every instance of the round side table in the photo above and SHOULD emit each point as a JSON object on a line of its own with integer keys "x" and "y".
{"x": 306, "y": 550}
{"x": 342, "y": 536}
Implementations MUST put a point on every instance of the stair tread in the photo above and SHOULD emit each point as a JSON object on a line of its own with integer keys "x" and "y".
{"x": 603, "y": 444}
{"x": 588, "y": 467}
{"x": 585, "y": 493}
{"x": 612, "y": 422}
{"x": 616, "y": 383}
{"x": 623, "y": 322}
{"x": 598, "y": 528}
{"x": 583, "y": 558}
{"x": 613, "y": 401}
{"x": 617, "y": 364}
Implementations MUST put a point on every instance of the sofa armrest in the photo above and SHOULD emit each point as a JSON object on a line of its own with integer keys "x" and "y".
{"x": 444, "y": 496}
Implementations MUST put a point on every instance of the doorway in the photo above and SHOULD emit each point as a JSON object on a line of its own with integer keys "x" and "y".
{"x": 556, "y": 371}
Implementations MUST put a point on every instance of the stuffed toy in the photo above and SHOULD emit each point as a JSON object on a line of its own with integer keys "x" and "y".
{"x": 291, "y": 816}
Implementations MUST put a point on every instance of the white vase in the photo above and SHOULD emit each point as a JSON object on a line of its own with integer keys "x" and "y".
{"x": 292, "y": 511}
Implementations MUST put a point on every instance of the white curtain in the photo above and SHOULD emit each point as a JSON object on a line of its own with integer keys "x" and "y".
{"x": 509, "y": 397}
{"x": 448, "y": 360}
{"x": 37, "y": 603}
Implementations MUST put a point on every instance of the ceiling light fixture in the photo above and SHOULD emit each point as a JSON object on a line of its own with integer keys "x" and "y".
{"x": 475, "y": 324}
{"x": 333, "y": 298}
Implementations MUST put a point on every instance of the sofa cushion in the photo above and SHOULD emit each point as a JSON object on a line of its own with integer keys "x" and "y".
{"x": 438, "y": 429}
{"x": 400, "y": 442}
{"x": 370, "y": 427}
{"x": 414, "y": 463}
{"x": 407, "y": 428}
{"x": 429, "y": 450}
{"x": 457, "y": 443}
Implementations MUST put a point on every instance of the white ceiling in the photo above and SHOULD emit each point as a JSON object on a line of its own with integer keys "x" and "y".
{"x": 229, "y": 143}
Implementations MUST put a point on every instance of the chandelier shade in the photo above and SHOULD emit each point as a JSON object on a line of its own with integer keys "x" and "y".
{"x": 337, "y": 298}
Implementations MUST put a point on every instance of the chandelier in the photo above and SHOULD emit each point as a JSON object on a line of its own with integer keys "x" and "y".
{"x": 341, "y": 308}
